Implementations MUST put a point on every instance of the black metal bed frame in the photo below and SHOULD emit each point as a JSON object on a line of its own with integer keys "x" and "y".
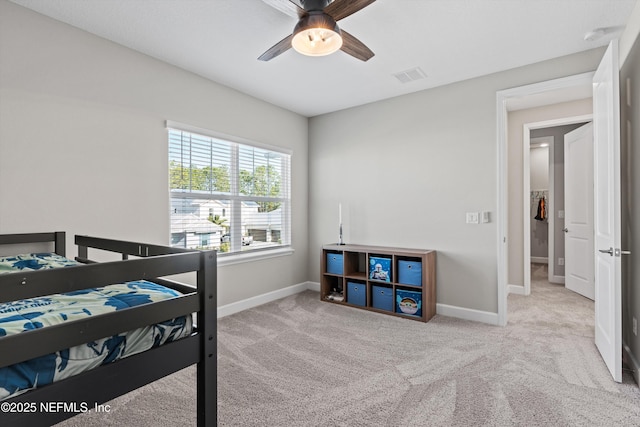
{"x": 151, "y": 262}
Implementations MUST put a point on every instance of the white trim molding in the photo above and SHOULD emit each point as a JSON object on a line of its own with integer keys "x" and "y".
{"x": 632, "y": 363}
{"x": 236, "y": 307}
{"x": 249, "y": 256}
{"x": 516, "y": 290}
{"x": 442, "y": 309}
{"x": 467, "y": 314}
{"x": 313, "y": 286}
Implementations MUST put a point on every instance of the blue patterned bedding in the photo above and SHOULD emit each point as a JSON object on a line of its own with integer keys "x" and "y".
{"x": 34, "y": 313}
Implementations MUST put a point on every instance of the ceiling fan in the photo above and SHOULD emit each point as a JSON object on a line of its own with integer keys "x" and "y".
{"x": 317, "y": 32}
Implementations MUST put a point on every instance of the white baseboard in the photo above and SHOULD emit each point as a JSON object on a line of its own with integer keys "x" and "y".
{"x": 515, "y": 289}
{"x": 467, "y": 314}
{"x": 632, "y": 362}
{"x": 557, "y": 279}
{"x": 443, "y": 309}
{"x": 236, "y": 307}
{"x": 540, "y": 259}
{"x": 313, "y": 286}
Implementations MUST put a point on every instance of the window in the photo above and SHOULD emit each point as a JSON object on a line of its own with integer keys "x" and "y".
{"x": 227, "y": 195}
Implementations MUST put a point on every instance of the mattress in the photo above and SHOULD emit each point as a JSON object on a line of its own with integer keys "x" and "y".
{"x": 35, "y": 313}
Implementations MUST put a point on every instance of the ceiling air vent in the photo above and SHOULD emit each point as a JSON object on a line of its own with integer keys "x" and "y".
{"x": 410, "y": 75}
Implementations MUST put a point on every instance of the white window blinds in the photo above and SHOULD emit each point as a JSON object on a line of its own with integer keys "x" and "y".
{"x": 227, "y": 195}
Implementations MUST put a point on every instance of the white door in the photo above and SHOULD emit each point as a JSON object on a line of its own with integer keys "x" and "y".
{"x": 606, "y": 128}
{"x": 578, "y": 204}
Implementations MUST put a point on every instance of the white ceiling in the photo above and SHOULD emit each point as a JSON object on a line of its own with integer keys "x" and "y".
{"x": 450, "y": 40}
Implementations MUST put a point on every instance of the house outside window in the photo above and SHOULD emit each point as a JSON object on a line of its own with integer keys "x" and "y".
{"x": 228, "y": 195}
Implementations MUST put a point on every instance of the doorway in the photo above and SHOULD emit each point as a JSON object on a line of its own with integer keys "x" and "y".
{"x": 607, "y": 199}
{"x": 551, "y": 133}
{"x": 530, "y": 96}
{"x": 540, "y": 197}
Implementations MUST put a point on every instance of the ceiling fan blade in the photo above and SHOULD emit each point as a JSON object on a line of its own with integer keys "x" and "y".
{"x": 278, "y": 48}
{"x": 355, "y": 47}
{"x": 288, "y": 7}
{"x": 340, "y": 9}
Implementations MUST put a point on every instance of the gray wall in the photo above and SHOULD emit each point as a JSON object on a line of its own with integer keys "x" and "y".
{"x": 83, "y": 146}
{"x": 630, "y": 179}
{"x": 83, "y": 149}
{"x": 407, "y": 169}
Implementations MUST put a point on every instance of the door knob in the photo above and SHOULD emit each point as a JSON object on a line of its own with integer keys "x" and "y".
{"x": 619, "y": 252}
{"x": 607, "y": 251}
{"x": 566, "y": 230}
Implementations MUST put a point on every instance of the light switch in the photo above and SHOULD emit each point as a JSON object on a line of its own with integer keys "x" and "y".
{"x": 560, "y": 214}
{"x": 472, "y": 218}
{"x": 486, "y": 217}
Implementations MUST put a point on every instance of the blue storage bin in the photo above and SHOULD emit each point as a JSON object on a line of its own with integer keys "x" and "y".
{"x": 382, "y": 297}
{"x": 410, "y": 272}
{"x": 357, "y": 293}
{"x": 334, "y": 263}
{"x": 380, "y": 268}
{"x": 409, "y": 302}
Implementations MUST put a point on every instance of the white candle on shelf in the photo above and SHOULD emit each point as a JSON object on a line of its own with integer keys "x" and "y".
{"x": 340, "y": 242}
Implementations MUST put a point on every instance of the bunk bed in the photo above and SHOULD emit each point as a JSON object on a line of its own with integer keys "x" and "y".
{"x": 150, "y": 263}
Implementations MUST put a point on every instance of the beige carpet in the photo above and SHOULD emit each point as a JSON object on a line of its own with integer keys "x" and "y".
{"x": 302, "y": 362}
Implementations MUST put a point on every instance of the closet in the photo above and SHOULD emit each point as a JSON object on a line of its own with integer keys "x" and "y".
{"x": 539, "y": 203}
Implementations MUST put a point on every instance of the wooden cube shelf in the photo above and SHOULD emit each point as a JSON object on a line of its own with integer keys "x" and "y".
{"x": 376, "y": 268}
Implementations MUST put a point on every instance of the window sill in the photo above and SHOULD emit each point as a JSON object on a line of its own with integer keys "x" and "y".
{"x": 239, "y": 258}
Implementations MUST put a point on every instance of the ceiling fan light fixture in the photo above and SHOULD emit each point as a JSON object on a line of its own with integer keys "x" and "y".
{"x": 316, "y": 34}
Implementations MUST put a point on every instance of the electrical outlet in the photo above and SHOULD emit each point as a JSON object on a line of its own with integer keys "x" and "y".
{"x": 560, "y": 261}
{"x": 635, "y": 326}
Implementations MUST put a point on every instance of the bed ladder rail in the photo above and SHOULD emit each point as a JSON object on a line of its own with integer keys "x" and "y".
{"x": 123, "y": 247}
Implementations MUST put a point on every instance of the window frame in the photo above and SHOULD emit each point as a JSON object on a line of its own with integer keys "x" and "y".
{"x": 235, "y": 198}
